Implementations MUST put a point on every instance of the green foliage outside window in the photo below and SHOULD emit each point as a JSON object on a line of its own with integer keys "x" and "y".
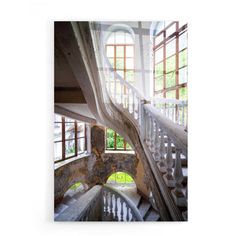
{"x": 120, "y": 177}
{"x": 110, "y": 138}
{"x": 170, "y": 64}
{"x": 170, "y": 80}
{"x": 119, "y": 142}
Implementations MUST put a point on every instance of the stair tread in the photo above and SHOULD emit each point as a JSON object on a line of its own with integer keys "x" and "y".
{"x": 144, "y": 207}
{"x": 60, "y": 208}
{"x": 152, "y": 215}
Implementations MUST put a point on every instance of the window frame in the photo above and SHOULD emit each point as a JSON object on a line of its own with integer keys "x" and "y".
{"x": 115, "y": 57}
{"x": 63, "y": 140}
{"x": 163, "y": 44}
{"x": 115, "y": 142}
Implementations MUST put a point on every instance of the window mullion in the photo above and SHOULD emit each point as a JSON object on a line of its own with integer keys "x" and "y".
{"x": 114, "y": 140}
{"x": 63, "y": 139}
{"x": 177, "y": 60}
{"x": 164, "y": 65}
{"x": 76, "y": 141}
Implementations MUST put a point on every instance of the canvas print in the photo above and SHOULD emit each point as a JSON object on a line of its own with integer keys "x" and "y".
{"x": 120, "y": 121}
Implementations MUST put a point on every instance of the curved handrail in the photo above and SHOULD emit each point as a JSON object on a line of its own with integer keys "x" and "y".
{"x": 130, "y": 204}
{"x": 85, "y": 208}
{"x": 175, "y": 132}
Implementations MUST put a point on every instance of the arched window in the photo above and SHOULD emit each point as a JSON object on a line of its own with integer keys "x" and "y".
{"x": 120, "y": 53}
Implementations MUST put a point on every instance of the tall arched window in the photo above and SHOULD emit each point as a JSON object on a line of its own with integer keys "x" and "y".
{"x": 120, "y": 53}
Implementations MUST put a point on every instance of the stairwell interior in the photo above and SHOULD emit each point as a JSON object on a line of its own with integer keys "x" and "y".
{"x": 120, "y": 106}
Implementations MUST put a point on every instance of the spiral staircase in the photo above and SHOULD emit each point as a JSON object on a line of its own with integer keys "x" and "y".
{"x": 160, "y": 143}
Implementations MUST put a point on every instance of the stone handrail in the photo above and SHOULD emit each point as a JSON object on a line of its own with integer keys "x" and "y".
{"x": 175, "y": 110}
{"x": 86, "y": 208}
{"x": 176, "y": 133}
{"x": 124, "y": 210}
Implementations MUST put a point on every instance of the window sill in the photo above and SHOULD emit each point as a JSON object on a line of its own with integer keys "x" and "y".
{"x": 64, "y": 162}
{"x": 120, "y": 151}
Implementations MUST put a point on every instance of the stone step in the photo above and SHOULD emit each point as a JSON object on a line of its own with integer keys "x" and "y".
{"x": 152, "y": 215}
{"x": 68, "y": 200}
{"x": 143, "y": 207}
{"x": 60, "y": 208}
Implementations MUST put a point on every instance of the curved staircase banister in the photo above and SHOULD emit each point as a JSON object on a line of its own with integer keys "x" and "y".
{"x": 174, "y": 131}
{"x": 86, "y": 208}
{"x": 135, "y": 212}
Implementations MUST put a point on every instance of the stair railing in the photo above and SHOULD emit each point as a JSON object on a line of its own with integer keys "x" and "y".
{"x": 118, "y": 207}
{"x": 161, "y": 136}
{"x": 175, "y": 110}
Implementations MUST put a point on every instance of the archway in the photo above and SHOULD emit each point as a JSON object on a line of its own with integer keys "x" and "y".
{"x": 121, "y": 179}
{"x": 76, "y": 190}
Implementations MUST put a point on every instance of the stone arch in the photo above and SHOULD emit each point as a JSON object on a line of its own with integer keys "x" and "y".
{"x": 120, "y": 170}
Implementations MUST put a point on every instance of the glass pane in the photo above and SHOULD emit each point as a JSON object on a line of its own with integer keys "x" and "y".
{"x": 111, "y": 39}
{"x": 119, "y": 63}
{"x": 110, "y": 138}
{"x": 159, "y": 95}
{"x": 183, "y": 58}
{"x": 171, "y": 48}
{"x": 57, "y": 151}
{"x": 57, "y": 131}
{"x": 80, "y": 130}
{"x": 159, "y": 55}
{"x": 159, "y": 39}
{"x": 121, "y": 73}
{"x": 130, "y": 75}
{"x": 129, "y": 63}
{"x": 128, "y": 147}
{"x": 111, "y": 60}
{"x": 120, "y": 51}
{"x": 120, "y": 37}
{"x": 57, "y": 118}
{"x": 159, "y": 70}
{"x": 81, "y": 145}
{"x": 159, "y": 83}
{"x": 70, "y": 130}
{"x": 129, "y": 51}
{"x": 128, "y": 39}
{"x": 118, "y": 87}
{"x": 70, "y": 148}
{"x": 119, "y": 142}
{"x": 160, "y": 26}
{"x": 183, "y": 94}
{"x": 69, "y": 119}
{"x": 183, "y": 41}
{"x": 171, "y": 94}
{"x": 170, "y": 30}
{"x": 170, "y": 64}
{"x": 170, "y": 80}
{"x": 110, "y": 51}
{"x": 181, "y": 23}
{"x": 183, "y": 75}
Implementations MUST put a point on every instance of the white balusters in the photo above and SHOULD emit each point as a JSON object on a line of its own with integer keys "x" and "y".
{"x": 161, "y": 163}
{"x": 152, "y": 136}
{"x": 111, "y": 205}
{"x": 122, "y": 210}
{"x": 156, "y": 154}
{"x": 168, "y": 177}
{"x": 177, "y": 193}
{"x": 116, "y": 207}
{"x": 106, "y": 202}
